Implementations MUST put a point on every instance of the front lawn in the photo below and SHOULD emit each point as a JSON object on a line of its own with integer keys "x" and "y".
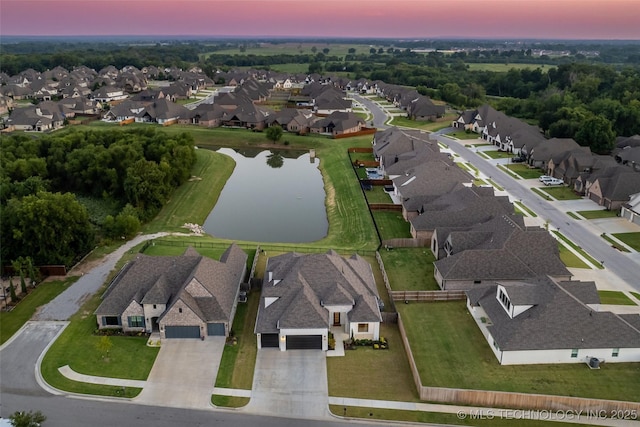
{"x": 631, "y": 239}
{"x": 614, "y": 298}
{"x": 464, "y": 135}
{"x": 602, "y": 213}
{"x": 410, "y": 269}
{"x": 496, "y": 154}
{"x": 392, "y": 225}
{"x": 570, "y": 259}
{"x": 562, "y": 193}
{"x": 524, "y": 171}
{"x": 11, "y": 321}
{"x": 128, "y": 358}
{"x": 403, "y": 121}
{"x": 450, "y": 351}
{"x": 366, "y": 373}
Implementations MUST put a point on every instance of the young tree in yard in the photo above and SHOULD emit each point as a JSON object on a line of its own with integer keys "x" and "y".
{"x": 23, "y": 285}
{"x": 33, "y": 276}
{"x": 274, "y": 133}
{"x": 12, "y": 291}
{"x": 27, "y": 419}
{"x": 104, "y": 345}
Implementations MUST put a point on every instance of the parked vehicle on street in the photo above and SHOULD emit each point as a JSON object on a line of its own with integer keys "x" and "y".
{"x": 544, "y": 178}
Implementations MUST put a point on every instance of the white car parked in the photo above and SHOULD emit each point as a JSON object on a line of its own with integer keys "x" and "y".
{"x": 544, "y": 178}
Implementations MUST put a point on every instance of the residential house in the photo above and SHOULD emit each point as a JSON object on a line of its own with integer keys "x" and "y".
{"x": 304, "y": 297}
{"x": 109, "y": 94}
{"x": 207, "y": 115}
{"x": 393, "y": 147}
{"x": 629, "y": 156}
{"x": 612, "y": 187}
{"x": 423, "y": 109}
{"x": 631, "y": 209}
{"x": 163, "y": 112}
{"x": 338, "y": 123}
{"x": 292, "y": 120}
{"x": 546, "y": 320}
{"x": 524, "y": 254}
{"x": 426, "y": 182}
{"x": 540, "y": 155}
{"x": 247, "y": 116}
{"x": 125, "y": 110}
{"x": 187, "y": 296}
{"x": 81, "y": 105}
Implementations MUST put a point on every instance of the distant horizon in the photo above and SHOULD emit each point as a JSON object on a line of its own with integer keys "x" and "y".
{"x": 360, "y": 19}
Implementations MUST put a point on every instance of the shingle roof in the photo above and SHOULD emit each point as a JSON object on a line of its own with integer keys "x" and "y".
{"x": 556, "y": 321}
{"x": 304, "y": 284}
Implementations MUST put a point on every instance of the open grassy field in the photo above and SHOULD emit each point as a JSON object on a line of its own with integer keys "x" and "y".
{"x": 295, "y": 48}
{"x": 410, "y": 269}
{"x": 450, "y": 351}
{"x": 631, "y": 239}
{"x": 11, "y": 321}
{"x": 503, "y": 68}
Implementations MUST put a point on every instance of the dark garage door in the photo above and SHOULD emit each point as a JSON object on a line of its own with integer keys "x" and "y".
{"x": 215, "y": 329}
{"x": 269, "y": 341}
{"x": 182, "y": 331}
{"x": 304, "y": 342}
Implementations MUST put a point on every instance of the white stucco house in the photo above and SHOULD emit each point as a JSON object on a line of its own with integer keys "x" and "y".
{"x": 543, "y": 321}
{"x": 304, "y": 297}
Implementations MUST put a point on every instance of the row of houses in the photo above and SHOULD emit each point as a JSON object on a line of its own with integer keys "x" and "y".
{"x": 611, "y": 181}
{"x": 516, "y": 285}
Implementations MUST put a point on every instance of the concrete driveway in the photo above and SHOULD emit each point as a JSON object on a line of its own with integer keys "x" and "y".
{"x": 290, "y": 384}
{"x": 184, "y": 374}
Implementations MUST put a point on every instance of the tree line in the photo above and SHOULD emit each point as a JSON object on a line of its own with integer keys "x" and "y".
{"x": 61, "y": 192}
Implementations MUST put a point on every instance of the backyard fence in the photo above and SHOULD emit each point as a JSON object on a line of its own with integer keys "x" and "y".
{"x": 364, "y": 131}
{"x": 428, "y": 296}
{"x": 360, "y": 150}
{"x": 406, "y": 243}
{"x": 501, "y": 399}
{"x": 385, "y": 207}
{"x": 385, "y": 279}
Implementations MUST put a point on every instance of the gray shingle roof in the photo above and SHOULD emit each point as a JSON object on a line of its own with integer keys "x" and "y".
{"x": 556, "y": 321}
{"x": 304, "y": 284}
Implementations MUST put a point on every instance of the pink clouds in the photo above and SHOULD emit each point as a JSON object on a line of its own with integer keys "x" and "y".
{"x": 608, "y": 19}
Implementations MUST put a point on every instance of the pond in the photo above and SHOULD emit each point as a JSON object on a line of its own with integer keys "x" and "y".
{"x": 272, "y": 196}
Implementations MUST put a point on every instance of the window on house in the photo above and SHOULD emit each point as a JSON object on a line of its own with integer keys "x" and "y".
{"x": 110, "y": 321}
{"x": 363, "y": 327}
{"x": 136, "y": 321}
{"x": 180, "y": 310}
{"x": 615, "y": 352}
{"x": 574, "y": 352}
{"x": 154, "y": 306}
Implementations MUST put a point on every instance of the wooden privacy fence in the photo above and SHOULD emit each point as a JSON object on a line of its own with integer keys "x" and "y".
{"x": 406, "y": 243}
{"x": 385, "y": 207}
{"x": 502, "y": 399}
{"x": 360, "y": 150}
{"x": 385, "y": 279}
{"x": 428, "y": 296}
{"x": 364, "y": 131}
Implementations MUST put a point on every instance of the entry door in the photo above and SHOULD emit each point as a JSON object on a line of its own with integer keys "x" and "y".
{"x": 336, "y": 319}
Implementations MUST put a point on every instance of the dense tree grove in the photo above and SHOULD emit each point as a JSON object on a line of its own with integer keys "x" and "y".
{"x": 59, "y": 190}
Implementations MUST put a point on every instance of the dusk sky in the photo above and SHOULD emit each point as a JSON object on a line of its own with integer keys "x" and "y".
{"x": 565, "y": 19}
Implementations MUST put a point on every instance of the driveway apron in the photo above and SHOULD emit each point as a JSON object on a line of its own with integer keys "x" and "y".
{"x": 290, "y": 384}
{"x": 184, "y": 373}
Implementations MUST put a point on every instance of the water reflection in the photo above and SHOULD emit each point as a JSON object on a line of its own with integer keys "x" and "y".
{"x": 270, "y": 197}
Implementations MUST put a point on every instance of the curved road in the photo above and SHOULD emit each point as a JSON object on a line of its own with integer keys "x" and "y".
{"x": 380, "y": 116}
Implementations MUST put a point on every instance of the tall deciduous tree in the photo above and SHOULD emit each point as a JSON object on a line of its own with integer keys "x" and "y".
{"x": 596, "y": 133}
{"x": 53, "y": 228}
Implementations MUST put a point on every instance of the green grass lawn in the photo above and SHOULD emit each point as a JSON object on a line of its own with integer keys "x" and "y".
{"x": 578, "y": 249}
{"x": 450, "y": 351}
{"x": 570, "y": 259}
{"x": 129, "y": 357}
{"x": 465, "y": 135}
{"x": 524, "y": 171}
{"x": 377, "y": 195}
{"x": 574, "y": 216}
{"x": 238, "y": 361}
{"x": 503, "y": 68}
{"x": 614, "y": 244}
{"x": 615, "y": 298}
{"x": 12, "y": 321}
{"x": 435, "y": 417}
{"x": 636, "y": 294}
{"x": 541, "y": 193}
{"x": 523, "y": 208}
{"x": 391, "y": 225}
{"x": 496, "y": 154}
{"x": 195, "y": 199}
{"x": 631, "y": 239}
{"x": 429, "y": 126}
{"x": 598, "y": 214}
{"x": 373, "y": 374}
{"x": 562, "y": 193}
{"x": 410, "y": 269}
